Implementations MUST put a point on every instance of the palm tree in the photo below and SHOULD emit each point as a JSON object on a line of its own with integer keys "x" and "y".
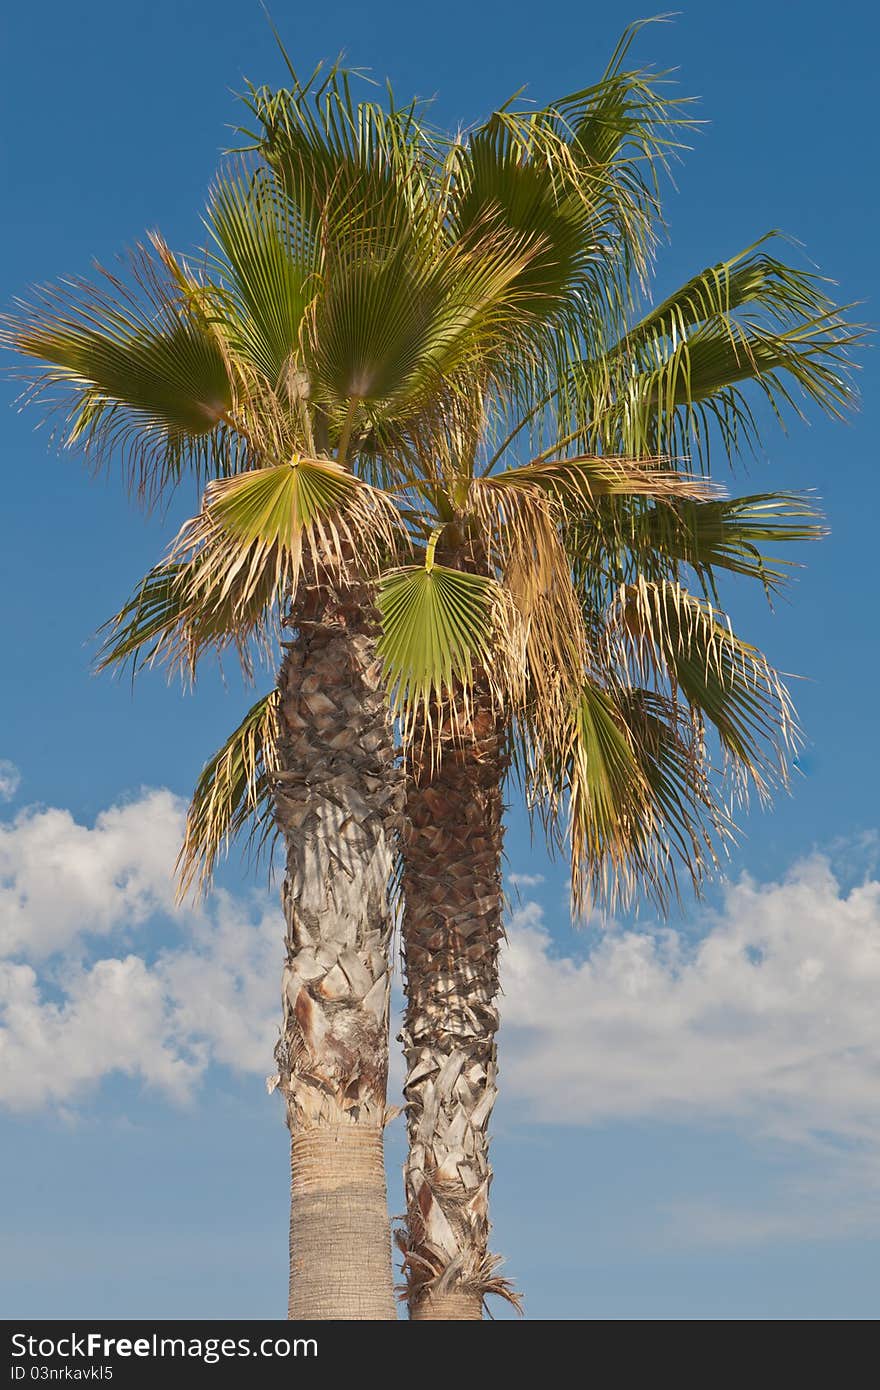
{"x": 385, "y": 319}
{"x": 562, "y": 615}
{"x": 319, "y": 304}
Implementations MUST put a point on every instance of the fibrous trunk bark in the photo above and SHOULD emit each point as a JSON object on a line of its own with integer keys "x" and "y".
{"x": 339, "y": 801}
{"x": 452, "y": 927}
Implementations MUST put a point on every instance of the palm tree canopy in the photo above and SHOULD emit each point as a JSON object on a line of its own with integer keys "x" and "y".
{"x": 431, "y": 363}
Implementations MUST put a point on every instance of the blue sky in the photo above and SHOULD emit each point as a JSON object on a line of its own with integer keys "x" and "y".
{"x": 678, "y": 1138}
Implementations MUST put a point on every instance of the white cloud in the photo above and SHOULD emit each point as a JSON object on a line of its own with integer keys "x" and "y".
{"x": 215, "y": 998}
{"x": 162, "y": 1016}
{"x": 224, "y": 985}
{"x": 60, "y": 880}
{"x": 525, "y": 880}
{"x": 767, "y": 1018}
{"x": 10, "y": 779}
{"x": 114, "y": 1017}
{"x": 771, "y": 1014}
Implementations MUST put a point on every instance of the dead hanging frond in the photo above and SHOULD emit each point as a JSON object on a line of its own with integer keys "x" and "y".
{"x": 519, "y": 529}
{"x": 233, "y": 793}
{"x": 582, "y": 480}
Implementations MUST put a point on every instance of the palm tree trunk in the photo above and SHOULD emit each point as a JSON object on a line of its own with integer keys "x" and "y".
{"x": 339, "y": 803}
{"x": 452, "y": 927}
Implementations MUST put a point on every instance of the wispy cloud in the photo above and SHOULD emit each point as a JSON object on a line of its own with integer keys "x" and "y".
{"x": 10, "y": 779}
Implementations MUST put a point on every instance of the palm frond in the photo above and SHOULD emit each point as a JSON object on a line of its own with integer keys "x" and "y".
{"x": 253, "y": 530}
{"x": 441, "y": 628}
{"x": 332, "y": 153}
{"x": 266, "y": 269}
{"x": 678, "y": 376}
{"x": 233, "y": 792}
{"x": 623, "y": 789}
{"x": 689, "y": 825}
{"x": 583, "y": 479}
{"x": 675, "y": 637}
{"x": 407, "y": 322}
{"x": 134, "y": 369}
{"x": 171, "y": 617}
{"x": 591, "y": 793}
{"x": 519, "y": 531}
{"x": 579, "y": 175}
{"x": 618, "y": 541}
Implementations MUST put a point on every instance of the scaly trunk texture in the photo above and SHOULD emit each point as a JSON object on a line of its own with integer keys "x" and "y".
{"x": 452, "y": 927}
{"x": 339, "y": 805}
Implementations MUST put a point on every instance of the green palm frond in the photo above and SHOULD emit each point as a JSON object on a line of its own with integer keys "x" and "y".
{"x": 500, "y": 183}
{"x": 586, "y": 783}
{"x": 233, "y": 793}
{"x": 606, "y": 789}
{"x": 266, "y": 270}
{"x": 627, "y": 118}
{"x": 678, "y": 376}
{"x": 619, "y": 542}
{"x": 439, "y": 627}
{"x": 674, "y": 636}
{"x": 253, "y": 530}
{"x": 134, "y": 369}
{"x": 402, "y": 328}
{"x": 170, "y": 618}
{"x": 334, "y": 155}
{"x": 690, "y": 822}
{"x": 402, "y": 311}
{"x": 580, "y": 177}
{"x": 623, "y": 790}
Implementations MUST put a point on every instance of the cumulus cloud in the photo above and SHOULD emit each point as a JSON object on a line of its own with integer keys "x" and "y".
{"x": 60, "y": 880}
{"x": 113, "y": 1017}
{"x": 213, "y": 998}
{"x": 525, "y": 880}
{"x": 762, "y": 1012}
{"x": 223, "y": 985}
{"x": 771, "y": 1014}
{"x": 67, "y": 1020}
{"x": 10, "y": 779}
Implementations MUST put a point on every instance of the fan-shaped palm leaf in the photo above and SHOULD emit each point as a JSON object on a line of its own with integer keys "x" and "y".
{"x": 439, "y": 625}
{"x": 265, "y": 266}
{"x": 253, "y": 528}
{"x": 135, "y": 368}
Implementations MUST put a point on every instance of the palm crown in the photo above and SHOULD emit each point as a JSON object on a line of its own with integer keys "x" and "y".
{"x": 418, "y": 363}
